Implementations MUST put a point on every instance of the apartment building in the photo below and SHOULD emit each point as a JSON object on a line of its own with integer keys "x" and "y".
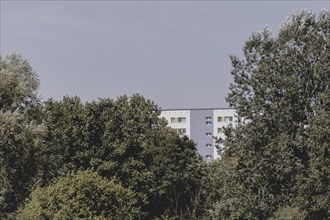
{"x": 201, "y": 125}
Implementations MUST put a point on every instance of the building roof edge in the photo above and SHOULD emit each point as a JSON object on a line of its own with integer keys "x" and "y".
{"x": 186, "y": 109}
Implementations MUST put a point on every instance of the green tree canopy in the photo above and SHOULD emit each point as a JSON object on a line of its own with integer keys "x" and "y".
{"x": 128, "y": 140}
{"x": 18, "y": 82}
{"x": 84, "y": 195}
{"x": 21, "y": 133}
{"x": 281, "y": 92}
{"x": 19, "y": 142}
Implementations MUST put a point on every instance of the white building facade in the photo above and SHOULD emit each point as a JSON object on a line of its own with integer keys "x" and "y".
{"x": 202, "y": 126}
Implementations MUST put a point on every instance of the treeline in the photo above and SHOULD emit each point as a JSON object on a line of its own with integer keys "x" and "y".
{"x": 117, "y": 159}
{"x": 105, "y": 159}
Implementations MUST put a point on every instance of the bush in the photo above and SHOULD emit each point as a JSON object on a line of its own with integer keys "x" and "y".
{"x": 84, "y": 195}
{"x": 288, "y": 213}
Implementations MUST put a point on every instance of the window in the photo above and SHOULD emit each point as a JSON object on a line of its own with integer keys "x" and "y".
{"x": 208, "y": 157}
{"x": 208, "y": 145}
{"x": 208, "y": 134}
{"x": 181, "y": 119}
{"x": 220, "y": 119}
{"x": 181, "y": 130}
{"x": 228, "y": 119}
{"x": 219, "y": 130}
{"x": 208, "y": 118}
{"x": 208, "y": 122}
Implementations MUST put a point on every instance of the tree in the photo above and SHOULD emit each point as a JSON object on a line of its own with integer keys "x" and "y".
{"x": 18, "y": 82}
{"x": 21, "y": 132}
{"x": 280, "y": 92}
{"x": 20, "y": 140}
{"x": 161, "y": 167}
{"x": 315, "y": 186}
{"x": 180, "y": 185}
{"x": 126, "y": 139}
{"x": 65, "y": 138}
{"x": 82, "y": 195}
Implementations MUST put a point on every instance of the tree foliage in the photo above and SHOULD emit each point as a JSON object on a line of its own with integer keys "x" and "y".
{"x": 21, "y": 134}
{"x": 20, "y": 140}
{"x": 118, "y": 159}
{"x": 18, "y": 82}
{"x": 84, "y": 195}
{"x": 281, "y": 91}
{"x": 126, "y": 138}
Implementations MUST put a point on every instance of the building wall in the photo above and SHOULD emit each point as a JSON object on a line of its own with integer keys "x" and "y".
{"x": 176, "y": 114}
{"x": 201, "y": 125}
{"x": 221, "y": 119}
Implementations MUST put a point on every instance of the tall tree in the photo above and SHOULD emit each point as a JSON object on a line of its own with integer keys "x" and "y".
{"x": 65, "y": 139}
{"x": 126, "y": 138}
{"x": 21, "y": 132}
{"x": 280, "y": 90}
{"x": 18, "y": 82}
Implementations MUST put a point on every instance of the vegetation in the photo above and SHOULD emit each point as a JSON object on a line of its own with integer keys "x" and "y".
{"x": 123, "y": 139}
{"x": 21, "y": 137}
{"x": 84, "y": 195}
{"x": 117, "y": 159}
{"x": 277, "y": 158}
{"x": 126, "y": 139}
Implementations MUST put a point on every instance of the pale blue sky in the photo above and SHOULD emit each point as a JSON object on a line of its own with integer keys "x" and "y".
{"x": 173, "y": 52}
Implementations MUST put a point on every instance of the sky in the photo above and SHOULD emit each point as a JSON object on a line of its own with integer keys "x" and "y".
{"x": 175, "y": 53}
